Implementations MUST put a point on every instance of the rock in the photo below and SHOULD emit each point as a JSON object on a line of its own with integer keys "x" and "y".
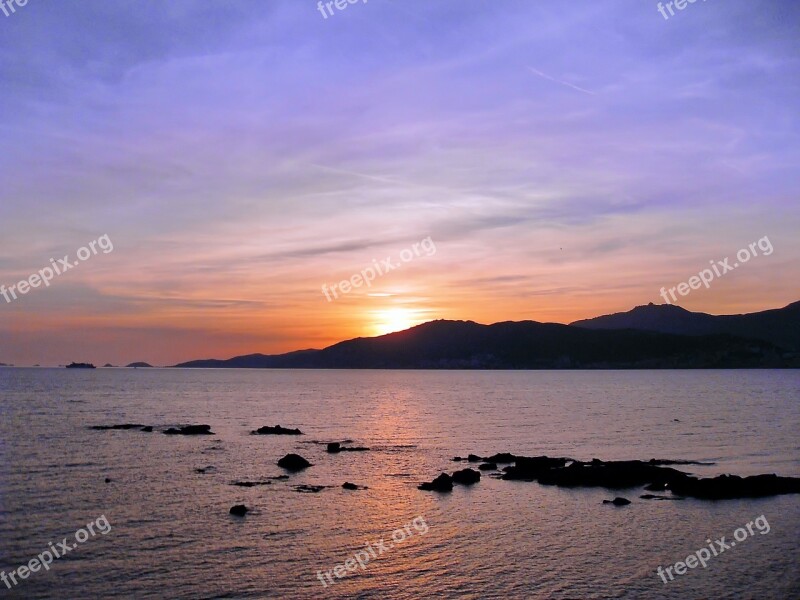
{"x": 335, "y": 447}
{"x": 663, "y": 461}
{"x": 293, "y": 462}
{"x": 617, "y": 501}
{"x": 250, "y": 483}
{"x": 612, "y": 475}
{"x": 457, "y": 459}
{"x": 309, "y": 489}
{"x": 502, "y": 457}
{"x": 466, "y": 477}
{"x": 443, "y": 483}
{"x": 277, "y": 430}
{"x": 732, "y": 486}
{"x": 190, "y": 430}
{"x": 530, "y": 468}
{"x": 656, "y": 497}
{"x": 239, "y": 510}
{"x": 350, "y": 486}
{"x": 108, "y": 480}
{"x": 148, "y": 429}
{"x": 123, "y": 426}
{"x": 474, "y": 458}
{"x": 489, "y": 466}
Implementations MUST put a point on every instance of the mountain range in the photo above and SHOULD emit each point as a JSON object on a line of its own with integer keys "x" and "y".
{"x": 651, "y": 337}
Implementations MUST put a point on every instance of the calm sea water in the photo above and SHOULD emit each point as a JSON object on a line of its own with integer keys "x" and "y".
{"x": 172, "y": 537}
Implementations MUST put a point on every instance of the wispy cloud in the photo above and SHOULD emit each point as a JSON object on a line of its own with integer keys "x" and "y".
{"x": 561, "y": 81}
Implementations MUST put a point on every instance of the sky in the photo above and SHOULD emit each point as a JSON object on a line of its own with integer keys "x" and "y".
{"x": 551, "y": 161}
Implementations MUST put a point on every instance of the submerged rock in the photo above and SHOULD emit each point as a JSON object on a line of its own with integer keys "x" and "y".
{"x": 277, "y": 430}
{"x": 489, "y": 466}
{"x": 617, "y": 501}
{"x": 190, "y": 430}
{"x": 122, "y": 426}
{"x": 334, "y": 447}
{"x": 466, "y": 477}
{"x": 250, "y": 483}
{"x": 309, "y": 489}
{"x": 239, "y": 510}
{"x": 443, "y": 483}
{"x": 293, "y": 462}
{"x": 657, "y": 497}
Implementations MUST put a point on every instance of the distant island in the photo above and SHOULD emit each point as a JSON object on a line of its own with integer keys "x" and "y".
{"x": 5, "y": 365}
{"x": 75, "y": 365}
{"x": 648, "y": 337}
{"x": 140, "y": 365}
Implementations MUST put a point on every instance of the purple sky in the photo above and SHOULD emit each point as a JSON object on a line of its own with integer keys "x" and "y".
{"x": 567, "y": 159}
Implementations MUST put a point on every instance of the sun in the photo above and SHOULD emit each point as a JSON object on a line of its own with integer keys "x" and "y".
{"x": 393, "y": 319}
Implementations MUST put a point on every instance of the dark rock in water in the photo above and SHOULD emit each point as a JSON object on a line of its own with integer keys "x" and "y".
{"x": 474, "y": 458}
{"x": 530, "y": 468}
{"x": 502, "y": 457}
{"x": 293, "y": 462}
{"x": 335, "y": 447}
{"x": 663, "y": 462}
{"x": 617, "y": 501}
{"x": 466, "y": 476}
{"x": 732, "y": 486}
{"x": 457, "y": 459}
{"x": 203, "y": 470}
{"x": 148, "y": 429}
{"x": 656, "y": 497}
{"x": 190, "y": 430}
{"x": 277, "y": 430}
{"x": 239, "y": 510}
{"x": 309, "y": 489}
{"x": 443, "y": 483}
{"x": 489, "y": 466}
{"x": 250, "y": 483}
{"x": 108, "y": 480}
{"x": 611, "y": 475}
{"x": 352, "y": 486}
{"x": 123, "y": 427}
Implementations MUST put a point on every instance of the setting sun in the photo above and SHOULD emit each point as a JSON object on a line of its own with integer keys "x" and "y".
{"x": 394, "y": 319}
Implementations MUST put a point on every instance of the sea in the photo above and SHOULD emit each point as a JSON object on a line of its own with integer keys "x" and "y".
{"x": 146, "y": 515}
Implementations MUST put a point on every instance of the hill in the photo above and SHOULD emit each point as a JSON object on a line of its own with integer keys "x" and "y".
{"x": 780, "y": 327}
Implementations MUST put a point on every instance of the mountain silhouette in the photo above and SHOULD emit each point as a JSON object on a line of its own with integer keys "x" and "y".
{"x": 532, "y": 345}
{"x": 779, "y": 326}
